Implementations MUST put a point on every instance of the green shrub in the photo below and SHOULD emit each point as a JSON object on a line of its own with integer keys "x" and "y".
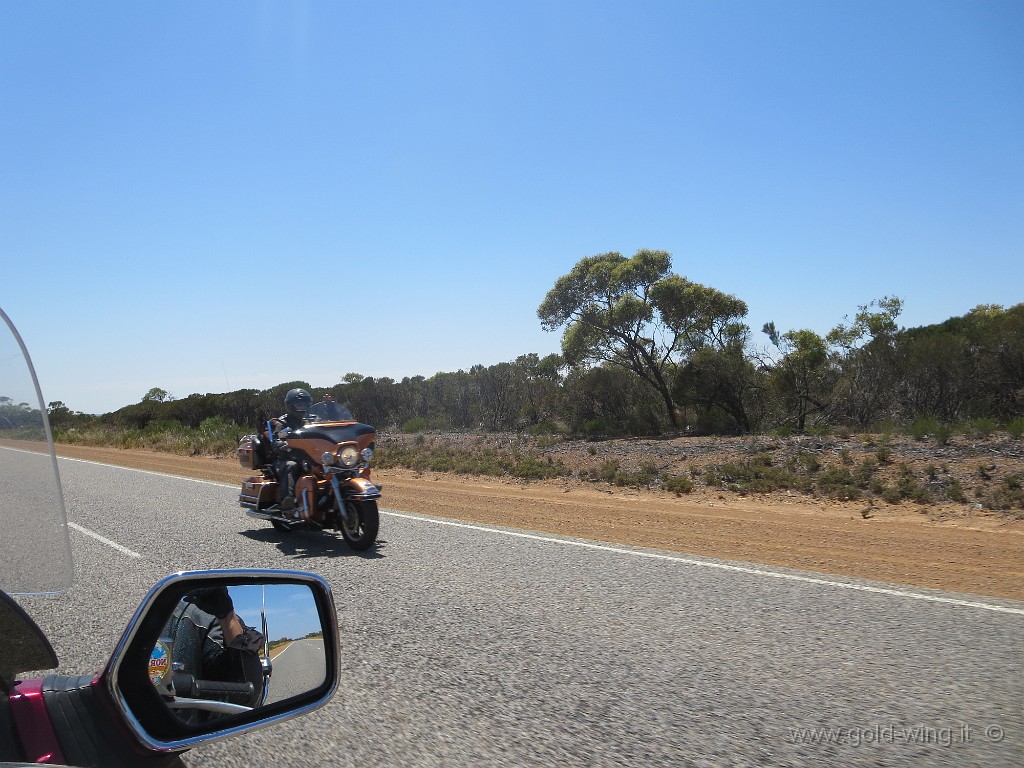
{"x": 955, "y": 491}
{"x": 647, "y": 475}
{"x": 487, "y": 461}
{"x": 838, "y": 483}
{"x": 415, "y": 424}
{"x": 923, "y": 427}
{"x": 865, "y": 472}
{"x": 756, "y": 475}
{"x": 530, "y": 467}
{"x": 218, "y": 425}
{"x": 906, "y": 488}
{"x": 912, "y": 490}
{"x": 677, "y": 484}
{"x": 158, "y": 426}
{"x": 1009, "y": 494}
{"x": 608, "y": 470}
{"x": 809, "y": 461}
{"x": 983, "y": 427}
{"x": 545, "y": 428}
{"x": 943, "y": 433}
{"x": 612, "y": 472}
{"x": 890, "y": 494}
{"x": 1015, "y": 428}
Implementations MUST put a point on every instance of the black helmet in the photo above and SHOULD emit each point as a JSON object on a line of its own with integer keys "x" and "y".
{"x": 297, "y": 401}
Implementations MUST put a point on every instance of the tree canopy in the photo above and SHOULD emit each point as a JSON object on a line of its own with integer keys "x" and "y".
{"x": 634, "y": 313}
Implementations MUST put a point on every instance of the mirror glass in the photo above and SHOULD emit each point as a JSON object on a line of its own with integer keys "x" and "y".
{"x": 267, "y": 646}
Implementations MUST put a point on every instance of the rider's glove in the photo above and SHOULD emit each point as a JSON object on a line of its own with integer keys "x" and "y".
{"x": 280, "y": 446}
{"x": 215, "y": 600}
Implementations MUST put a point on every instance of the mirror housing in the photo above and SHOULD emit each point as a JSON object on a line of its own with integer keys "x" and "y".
{"x": 144, "y": 706}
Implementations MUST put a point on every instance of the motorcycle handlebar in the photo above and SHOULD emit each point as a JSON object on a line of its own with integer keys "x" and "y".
{"x": 189, "y": 686}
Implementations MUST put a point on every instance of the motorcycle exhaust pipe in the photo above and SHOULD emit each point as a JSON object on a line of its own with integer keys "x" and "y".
{"x": 271, "y": 516}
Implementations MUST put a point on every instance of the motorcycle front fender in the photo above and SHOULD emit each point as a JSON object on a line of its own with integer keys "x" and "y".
{"x": 360, "y": 488}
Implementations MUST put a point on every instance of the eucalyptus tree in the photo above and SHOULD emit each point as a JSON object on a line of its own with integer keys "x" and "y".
{"x": 634, "y": 313}
{"x": 722, "y": 381}
{"x": 868, "y": 357}
{"x": 803, "y": 378}
{"x": 539, "y": 379}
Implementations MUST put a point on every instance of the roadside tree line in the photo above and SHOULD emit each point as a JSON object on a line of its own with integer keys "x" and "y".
{"x": 646, "y": 351}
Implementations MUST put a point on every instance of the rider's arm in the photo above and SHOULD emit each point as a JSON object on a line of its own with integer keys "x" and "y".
{"x": 238, "y": 635}
{"x": 231, "y": 627}
{"x": 232, "y": 630}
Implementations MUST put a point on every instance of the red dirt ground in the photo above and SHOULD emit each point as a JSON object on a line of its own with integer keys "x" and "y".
{"x": 951, "y": 547}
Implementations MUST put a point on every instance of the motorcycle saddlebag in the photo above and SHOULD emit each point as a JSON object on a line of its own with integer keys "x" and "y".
{"x": 257, "y": 492}
{"x": 250, "y": 452}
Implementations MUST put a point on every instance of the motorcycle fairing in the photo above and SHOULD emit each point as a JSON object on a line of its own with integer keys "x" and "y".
{"x": 353, "y": 432}
{"x": 36, "y": 733}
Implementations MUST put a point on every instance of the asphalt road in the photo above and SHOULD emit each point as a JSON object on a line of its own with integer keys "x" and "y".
{"x": 297, "y": 669}
{"x": 471, "y": 647}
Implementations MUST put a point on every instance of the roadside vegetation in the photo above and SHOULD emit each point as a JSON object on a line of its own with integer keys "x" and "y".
{"x": 647, "y": 353}
{"x": 967, "y": 464}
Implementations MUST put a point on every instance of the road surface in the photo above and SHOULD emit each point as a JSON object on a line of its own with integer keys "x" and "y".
{"x": 469, "y": 646}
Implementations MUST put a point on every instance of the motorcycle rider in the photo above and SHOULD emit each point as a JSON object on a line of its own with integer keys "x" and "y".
{"x": 296, "y": 403}
{"x": 211, "y": 642}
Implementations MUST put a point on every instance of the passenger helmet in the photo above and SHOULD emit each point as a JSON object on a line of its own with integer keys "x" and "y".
{"x": 297, "y": 402}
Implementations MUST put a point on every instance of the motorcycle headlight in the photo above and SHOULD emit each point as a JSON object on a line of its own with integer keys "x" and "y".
{"x": 367, "y": 454}
{"x": 348, "y": 456}
{"x": 327, "y": 459}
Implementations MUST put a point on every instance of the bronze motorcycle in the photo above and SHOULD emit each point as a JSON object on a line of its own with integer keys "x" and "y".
{"x": 334, "y": 490}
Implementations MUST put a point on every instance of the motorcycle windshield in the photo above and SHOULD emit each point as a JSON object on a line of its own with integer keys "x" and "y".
{"x": 328, "y": 411}
{"x": 35, "y": 553}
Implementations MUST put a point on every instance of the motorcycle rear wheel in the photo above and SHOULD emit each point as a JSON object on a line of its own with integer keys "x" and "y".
{"x": 363, "y": 534}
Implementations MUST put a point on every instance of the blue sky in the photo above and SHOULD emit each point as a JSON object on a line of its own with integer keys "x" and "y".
{"x": 209, "y": 196}
{"x": 291, "y": 610}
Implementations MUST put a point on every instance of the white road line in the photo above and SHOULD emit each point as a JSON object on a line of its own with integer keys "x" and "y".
{"x": 721, "y": 566}
{"x": 145, "y": 471}
{"x": 106, "y": 541}
{"x": 651, "y": 555}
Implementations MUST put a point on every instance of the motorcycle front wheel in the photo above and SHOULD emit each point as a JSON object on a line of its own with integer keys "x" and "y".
{"x": 362, "y": 532}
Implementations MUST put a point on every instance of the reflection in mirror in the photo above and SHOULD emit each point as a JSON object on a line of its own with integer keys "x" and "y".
{"x": 226, "y": 650}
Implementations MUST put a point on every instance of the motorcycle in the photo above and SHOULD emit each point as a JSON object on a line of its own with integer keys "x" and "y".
{"x": 334, "y": 490}
{"x": 159, "y": 694}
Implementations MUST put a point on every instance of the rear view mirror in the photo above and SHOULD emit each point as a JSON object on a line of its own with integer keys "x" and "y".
{"x": 211, "y": 654}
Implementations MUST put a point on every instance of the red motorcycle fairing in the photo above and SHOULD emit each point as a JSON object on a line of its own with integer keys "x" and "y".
{"x": 39, "y": 741}
{"x": 89, "y": 733}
